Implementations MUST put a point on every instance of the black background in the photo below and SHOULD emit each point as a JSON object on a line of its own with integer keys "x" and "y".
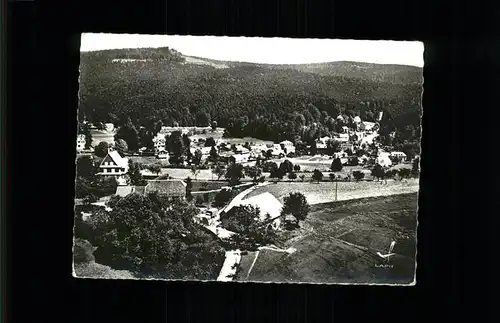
{"x": 455, "y": 257}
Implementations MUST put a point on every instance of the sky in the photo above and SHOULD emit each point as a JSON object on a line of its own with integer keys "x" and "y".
{"x": 267, "y": 50}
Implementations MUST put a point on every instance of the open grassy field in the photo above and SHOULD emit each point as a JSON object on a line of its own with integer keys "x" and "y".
{"x": 337, "y": 243}
{"x": 324, "y": 192}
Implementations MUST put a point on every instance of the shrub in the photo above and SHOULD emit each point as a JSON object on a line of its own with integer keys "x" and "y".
{"x": 83, "y": 251}
{"x": 358, "y": 175}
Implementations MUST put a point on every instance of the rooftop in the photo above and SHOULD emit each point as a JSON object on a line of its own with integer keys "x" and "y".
{"x": 172, "y": 187}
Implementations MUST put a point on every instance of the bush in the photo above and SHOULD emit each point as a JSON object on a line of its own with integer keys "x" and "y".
{"x": 223, "y": 197}
{"x": 358, "y": 175}
{"x": 83, "y": 251}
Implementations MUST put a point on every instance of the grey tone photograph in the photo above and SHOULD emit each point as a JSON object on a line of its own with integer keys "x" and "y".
{"x": 270, "y": 160}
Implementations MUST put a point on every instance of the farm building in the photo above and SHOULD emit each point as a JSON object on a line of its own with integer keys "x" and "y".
{"x": 169, "y": 187}
{"x": 267, "y": 204}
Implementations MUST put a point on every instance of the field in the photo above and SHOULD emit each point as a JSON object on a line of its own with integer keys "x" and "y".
{"x": 337, "y": 243}
{"x": 207, "y": 185}
{"x": 324, "y": 192}
{"x": 98, "y": 136}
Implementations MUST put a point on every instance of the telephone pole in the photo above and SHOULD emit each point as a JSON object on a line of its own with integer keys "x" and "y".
{"x": 336, "y": 184}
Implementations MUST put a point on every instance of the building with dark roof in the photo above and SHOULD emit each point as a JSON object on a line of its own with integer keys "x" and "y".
{"x": 169, "y": 187}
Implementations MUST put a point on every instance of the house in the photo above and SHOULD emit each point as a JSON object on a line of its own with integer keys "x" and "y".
{"x": 80, "y": 143}
{"x": 159, "y": 142}
{"x": 162, "y": 154}
{"x": 357, "y": 119}
{"x": 240, "y": 158}
{"x": 267, "y": 204}
{"x": 346, "y": 146}
{"x": 399, "y": 154}
{"x": 113, "y": 165}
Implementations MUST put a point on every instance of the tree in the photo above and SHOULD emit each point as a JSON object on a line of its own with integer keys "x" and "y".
{"x": 101, "y": 150}
{"x": 223, "y": 197}
{"x": 202, "y": 119}
{"x": 210, "y": 142}
{"x": 332, "y": 177}
{"x": 302, "y": 177}
{"x": 333, "y": 146}
{"x": 129, "y": 133}
{"x": 189, "y": 188}
{"x": 176, "y": 148}
{"x": 155, "y": 168}
{"x": 353, "y": 161}
{"x": 336, "y": 165}
{"x": 378, "y": 172}
{"x": 314, "y": 149}
{"x": 197, "y": 157}
{"x": 250, "y": 226}
{"x": 296, "y": 205}
{"x": 269, "y": 166}
{"x": 85, "y": 167}
{"x": 286, "y": 166}
{"x": 214, "y": 156}
{"x": 292, "y": 176}
{"x": 155, "y": 235}
{"x": 219, "y": 171}
{"x": 195, "y": 171}
{"x": 358, "y": 175}
{"x": 121, "y": 146}
{"x": 415, "y": 170}
{"x": 83, "y": 251}
{"x": 253, "y": 172}
{"x": 276, "y": 173}
{"x": 317, "y": 175}
{"x": 214, "y": 125}
{"x": 234, "y": 173}
{"x": 134, "y": 173}
{"x": 404, "y": 173}
{"x": 89, "y": 199}
{"x": 296, "y": 168}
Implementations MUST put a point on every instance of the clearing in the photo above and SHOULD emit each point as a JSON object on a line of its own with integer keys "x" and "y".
{"x": 338, "y": 243}
{"x": 324, "y": 192}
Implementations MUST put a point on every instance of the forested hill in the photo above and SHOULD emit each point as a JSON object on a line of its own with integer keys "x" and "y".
{"x": 148, "y": 85}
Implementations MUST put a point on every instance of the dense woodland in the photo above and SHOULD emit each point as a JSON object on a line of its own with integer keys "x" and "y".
{"x": 271, "y": 102}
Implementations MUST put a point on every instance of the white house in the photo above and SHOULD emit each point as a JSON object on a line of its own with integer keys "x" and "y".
{"x": 267, "y": 204}
{"x": 368, "y": 126}
{"x": 240, "y": 158}
{"x": 113, "y": 165}
{"x": 398, "y": 154}
{"x": 342, "y": 137}
{"x": 287, "y": 146}
{"x": 159, "y": 142}
{"x": 357, "y": 119}
{"x": 80, "y": 142}
{"x": 162, "y": 154}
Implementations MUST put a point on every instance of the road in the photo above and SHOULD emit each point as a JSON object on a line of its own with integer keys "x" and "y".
{"x": 233, "y": 258}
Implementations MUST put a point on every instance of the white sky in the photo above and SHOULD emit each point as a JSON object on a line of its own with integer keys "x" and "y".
{"x": 267, "y": 50}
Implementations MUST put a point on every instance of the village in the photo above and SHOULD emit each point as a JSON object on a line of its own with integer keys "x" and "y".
{"x": 218, "y": 173}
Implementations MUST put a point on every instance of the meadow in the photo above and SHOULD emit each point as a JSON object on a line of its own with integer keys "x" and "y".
{"x": 338, "y": 242}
